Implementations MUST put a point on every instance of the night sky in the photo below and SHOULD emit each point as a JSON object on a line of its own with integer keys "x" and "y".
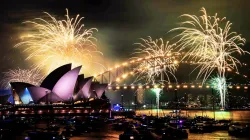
{"x": 120, "y": 23}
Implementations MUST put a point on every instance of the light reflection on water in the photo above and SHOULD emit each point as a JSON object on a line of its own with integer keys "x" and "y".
{"x": 113, "y": 135}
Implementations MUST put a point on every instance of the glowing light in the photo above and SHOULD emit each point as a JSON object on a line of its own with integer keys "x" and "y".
{"x": 200, "y": 86}
{"x": 151, "y": 69}
{"x": 192, "y": 86}
{"x": 230, "y": 87}
{"x": 140, "y": 87}
{"x": 237, "y": 87}
{"x": 175, "y": 62}
{"x": 118, "y": 79}
{"x": 101, "y": 73}
{"x": 185, "y": 86}
{"x": 109, "y": 87}
{"x": 209, "y": 42}
{"x": 125, "y": 87}
{"x": 207, "y": 86}
{"x": 147, "y": 87}
{"x": 53, "y": 43}
{"x": 124, "y": 76}
{"x": 125, "y": 64}
{"x": 31, "y": 76}
{"x": 117, "y": 66}
{"x": 178, "y": 86}
{"x": 132, "y": 87}
{"x": 170, "y": 86}
{"x": 155, "y": 86}
{"x": 245, "y": 87}
{"x": 117, "y": 87}
{"x": 162, "y": 86}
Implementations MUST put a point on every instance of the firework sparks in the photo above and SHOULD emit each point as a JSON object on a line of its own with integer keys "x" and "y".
{"x": 140, "y": 96}
{"x": 31, "y": 76}
{"x": 161, "y": 61}
{"x": 211, "y": 45}
{"x": 56, "y": 42}
{"x": 208, "y": 44}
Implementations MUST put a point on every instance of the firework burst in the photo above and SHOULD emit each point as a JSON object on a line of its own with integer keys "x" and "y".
{"x": 160, "y": 61}
{"x": 56, "y": 42}
{"x": 211, "y": 45}
{"x": 31, "y": 76}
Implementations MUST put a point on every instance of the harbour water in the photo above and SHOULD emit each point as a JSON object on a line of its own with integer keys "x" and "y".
{"x": 114, "y": 135}
{"x": 107, "y": 133}
{"x": 235, "y": 115}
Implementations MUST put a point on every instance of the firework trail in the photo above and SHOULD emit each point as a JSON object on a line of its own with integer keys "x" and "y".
{"x": 220, "y": 86}
{"x": 209, "y": 42}
{"x": 31, "y": 76}
{"x": 140, "y": 95}
{"x": 161, "y": 61}
{"x": 57, "y": 42}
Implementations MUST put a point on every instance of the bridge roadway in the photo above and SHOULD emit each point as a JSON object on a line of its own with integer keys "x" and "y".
{"x": 175, "y": 86}
{"x": 56, "y": 110}
{"x": 33, "y": 110}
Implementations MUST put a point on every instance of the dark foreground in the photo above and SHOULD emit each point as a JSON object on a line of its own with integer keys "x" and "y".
{"x": 114, "y": 135}
{"x": 135, "y": 127}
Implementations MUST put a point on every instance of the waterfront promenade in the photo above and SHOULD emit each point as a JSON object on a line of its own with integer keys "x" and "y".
{"x": 235, "y": 115}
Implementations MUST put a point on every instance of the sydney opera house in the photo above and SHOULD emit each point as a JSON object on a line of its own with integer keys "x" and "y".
{"x": 63, "y": 85}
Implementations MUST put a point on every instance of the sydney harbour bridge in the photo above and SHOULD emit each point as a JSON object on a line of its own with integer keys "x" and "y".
{"x": 130, "y": 75}
{"x": 117, "y": 77}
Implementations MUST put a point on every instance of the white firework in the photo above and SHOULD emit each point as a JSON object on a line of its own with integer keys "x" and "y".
{"x": 159, "y": 61}
{"x": 30, "y": 76}
{"x": 210, "y": 43}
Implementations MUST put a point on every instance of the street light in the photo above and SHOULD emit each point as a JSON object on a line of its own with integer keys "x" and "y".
{"x": 135, "y": 100}
{"x": 13, "y": 90}
{"x": 122, "y": 101}
{"x": 176, "y": 101}
{"x": 186, "y": 102}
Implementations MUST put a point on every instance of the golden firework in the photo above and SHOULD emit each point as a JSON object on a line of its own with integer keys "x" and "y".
{"x": 53, "y": 43}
